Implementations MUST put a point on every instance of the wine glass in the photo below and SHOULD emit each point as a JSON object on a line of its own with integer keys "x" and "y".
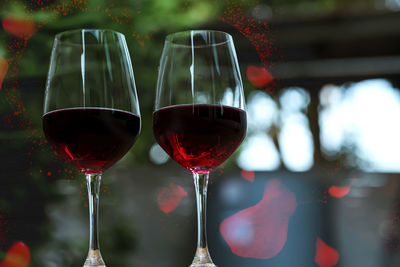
{"x": 199, "y": 117}
{"x": 91, "y": 111}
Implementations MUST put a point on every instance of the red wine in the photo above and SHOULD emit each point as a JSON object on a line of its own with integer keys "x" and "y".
{"x": 92, "y": 139}
{"x": 199, "y": 137}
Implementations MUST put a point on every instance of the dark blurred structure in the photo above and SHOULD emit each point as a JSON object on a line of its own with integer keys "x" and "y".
{"x": 326, "y": 128}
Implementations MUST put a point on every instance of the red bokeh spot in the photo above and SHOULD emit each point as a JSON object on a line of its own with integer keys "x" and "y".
{"x": 339, "y": 191}
{"x": 325, "y": 255}
{"x": 3, "y": 69}
{"x": 18, "y": 27}
{"x": 261, "y": 230}
{"x": 169, "y": 197}
{"x": 17, "y": 256}
{"x": 248, "y": 175}
{"x": 259, "y": 77}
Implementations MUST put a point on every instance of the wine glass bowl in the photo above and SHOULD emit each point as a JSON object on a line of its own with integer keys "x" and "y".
{"x": 91, "y": 139}
{"x": 199, "y": 137}
{"x": 199, "y": 117}
{"x": 91, "y": 111}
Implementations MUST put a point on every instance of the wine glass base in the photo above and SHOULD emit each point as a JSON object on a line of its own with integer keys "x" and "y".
{"x": 94, "y": 259}
{"x": 203, "y": 265}
{"x": 202, "y": 258}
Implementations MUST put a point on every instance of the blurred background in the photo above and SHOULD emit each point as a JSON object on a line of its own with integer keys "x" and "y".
{"x": 315, "y": 183}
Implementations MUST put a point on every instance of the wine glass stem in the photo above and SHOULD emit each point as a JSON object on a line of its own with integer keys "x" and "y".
{"x": 93, "y": 184}
{"x": 202, "y": 256}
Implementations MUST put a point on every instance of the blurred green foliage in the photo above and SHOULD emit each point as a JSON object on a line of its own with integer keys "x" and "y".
{"x": 143, "y": 23}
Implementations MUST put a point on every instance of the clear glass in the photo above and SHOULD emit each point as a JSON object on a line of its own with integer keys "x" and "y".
{"x": 199, "y": 117}
{"x": 91, "y": 111}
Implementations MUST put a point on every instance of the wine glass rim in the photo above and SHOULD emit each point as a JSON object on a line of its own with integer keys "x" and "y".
{"x": 219, "y": 105}
{"x": 74, "y": 31}
{"x": 90, "y": 108}
{"x": 169, "y": 38}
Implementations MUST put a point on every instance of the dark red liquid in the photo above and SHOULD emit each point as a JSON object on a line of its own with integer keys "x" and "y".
{"x": 92, "y": 139}
{"x": 199, "y": 137}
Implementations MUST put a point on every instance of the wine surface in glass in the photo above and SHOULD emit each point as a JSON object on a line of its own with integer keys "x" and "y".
{"x": 91, "y": 138}
{"x": 199, "y": 136}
